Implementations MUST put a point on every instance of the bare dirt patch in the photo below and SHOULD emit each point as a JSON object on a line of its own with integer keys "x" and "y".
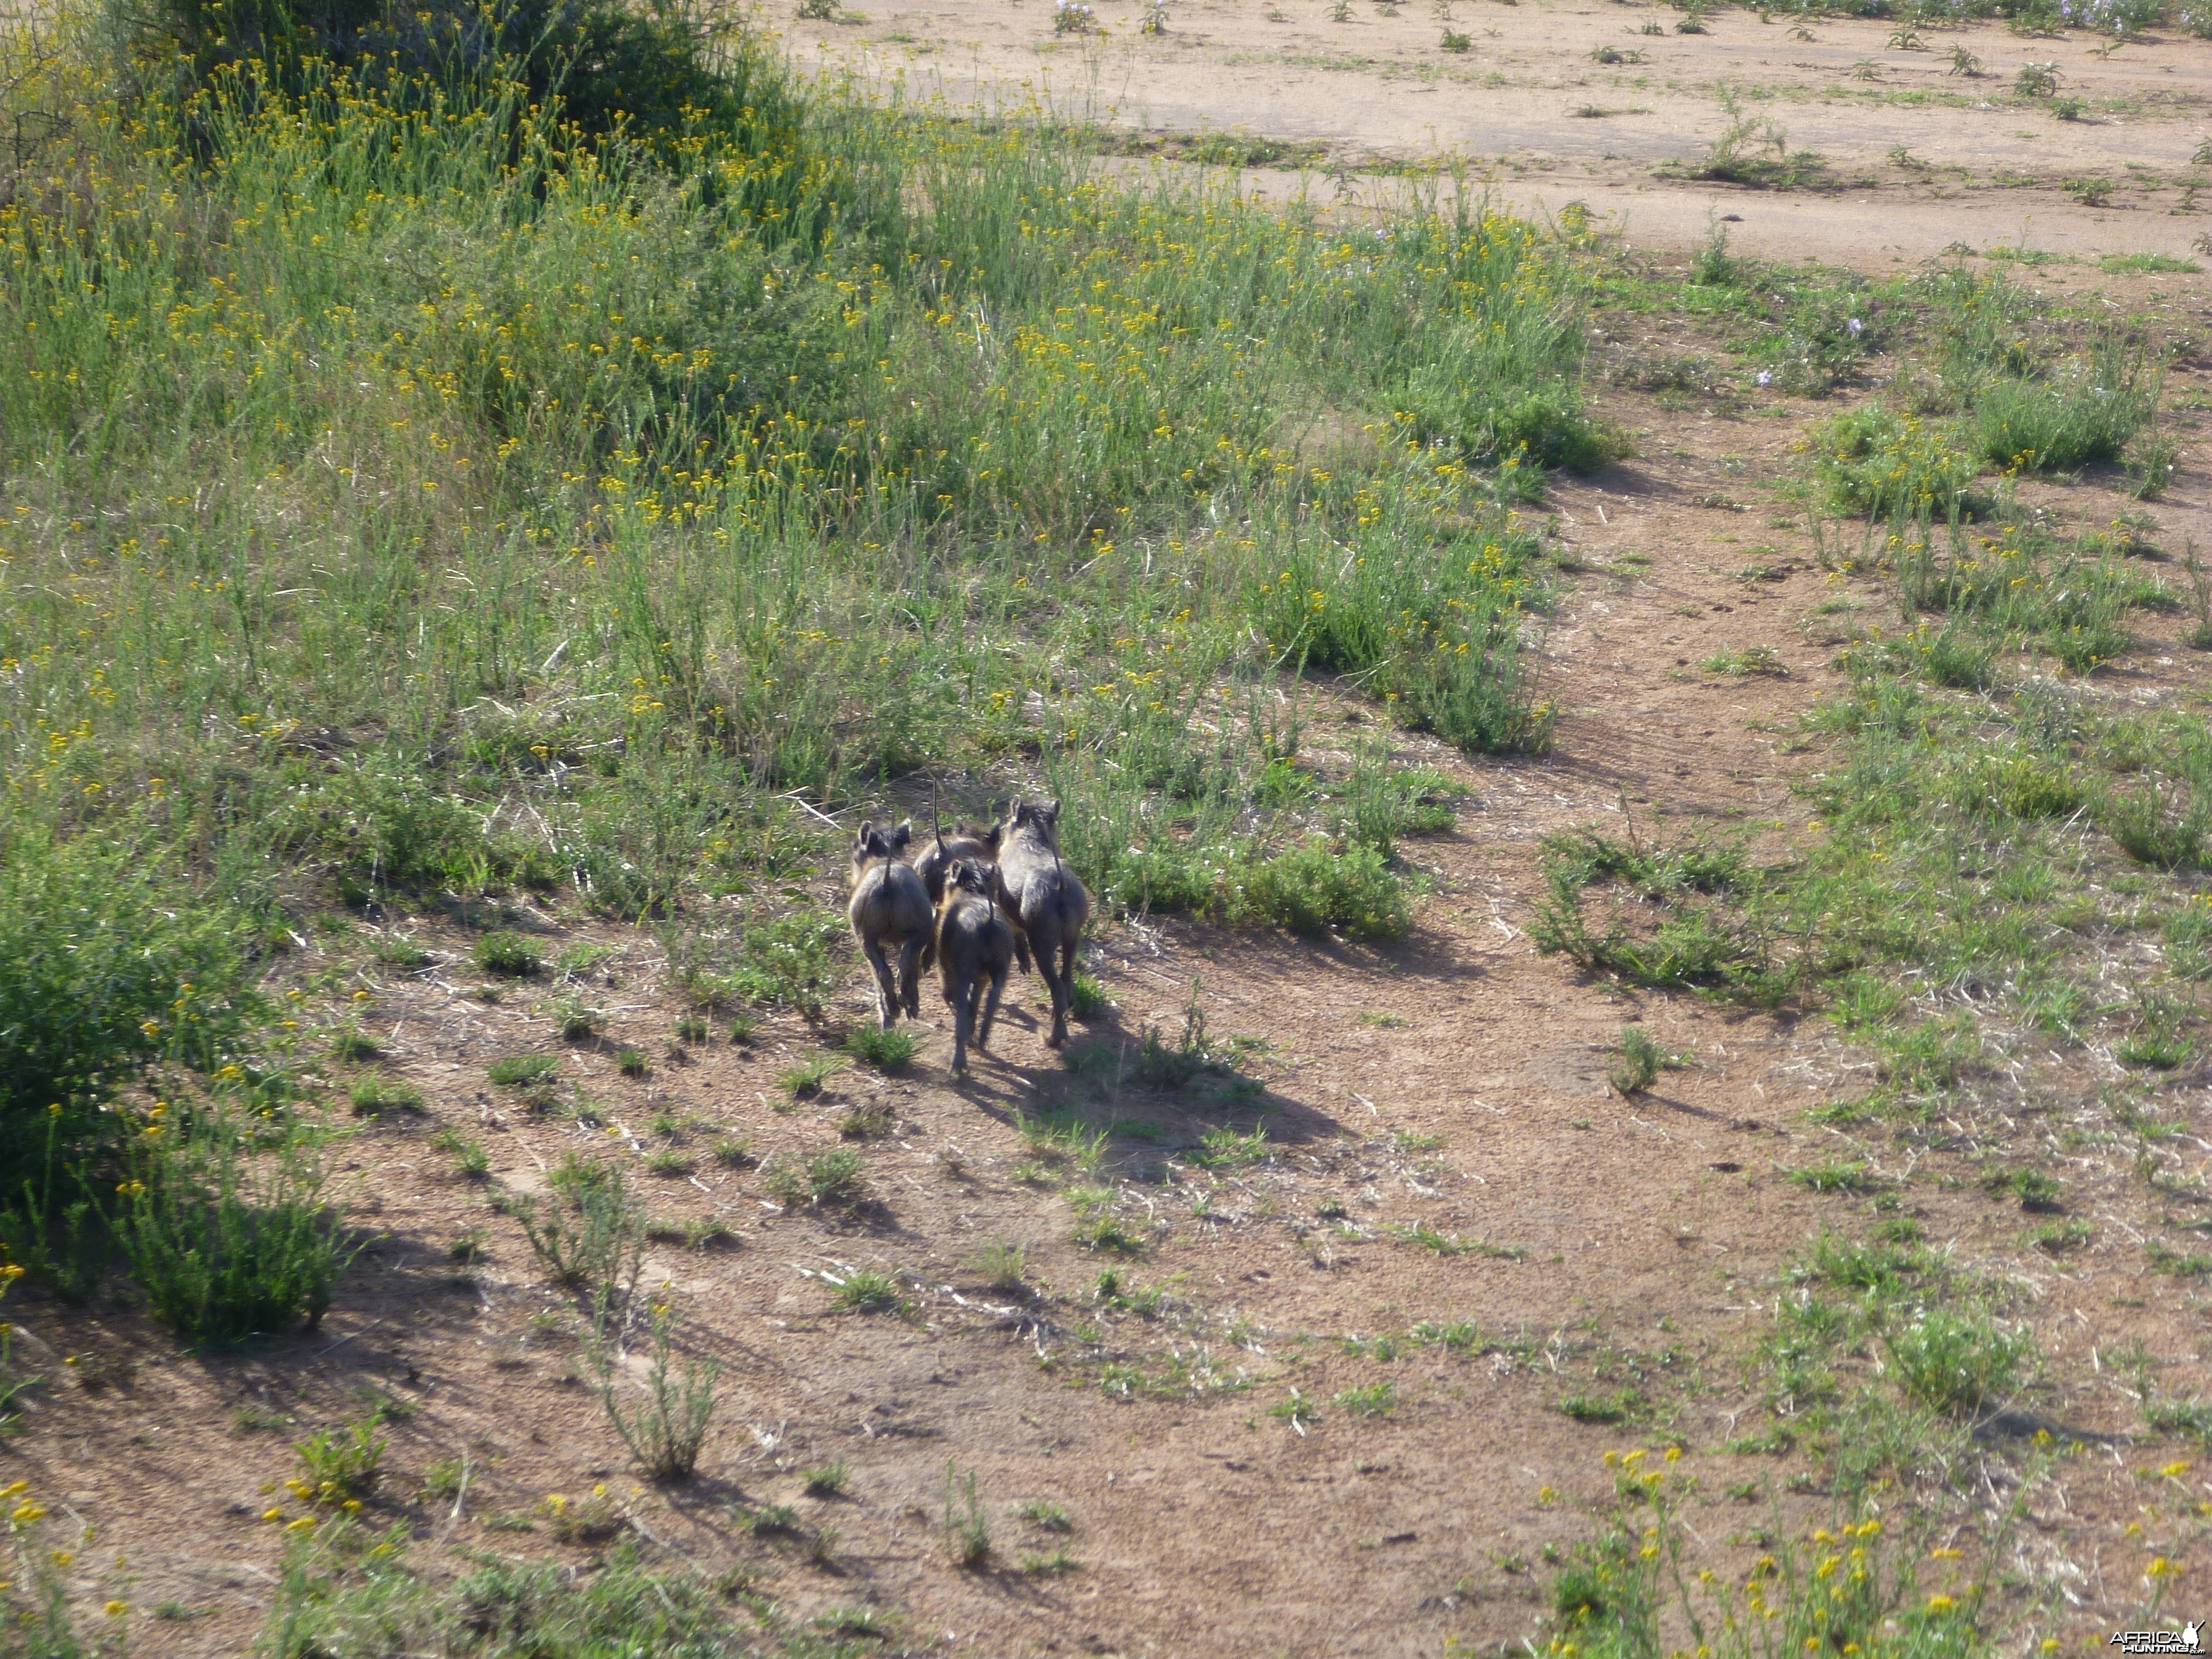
{"x": 1906, "y": 157}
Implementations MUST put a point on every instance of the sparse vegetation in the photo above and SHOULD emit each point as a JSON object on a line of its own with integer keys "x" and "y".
{"x": 868, "y": 1291}
{"x": 804, "y": 1080}
{"x": 831, "y": 1177}
{"x": 508, "y": 956}
{"x": 967, "y": 1528}
{"x": 666, "y": 1429}
{"x": 1640, "y": 1061}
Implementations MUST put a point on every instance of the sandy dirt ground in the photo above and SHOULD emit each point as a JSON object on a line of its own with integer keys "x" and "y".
{"x": 1916, "y": 156}
{"x": 1448, "y": 1091}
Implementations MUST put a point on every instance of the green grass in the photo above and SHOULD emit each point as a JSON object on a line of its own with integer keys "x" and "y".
{"x": 355, "y": 1045}
{"x": 1626, "y": 1591}
{"x": 1640, "y": 1061}
{"x": 1004, "y": 1266}
{"x": 803, "y": 1081}
{"x": 1087, "y": 998}
{"x": 226, "y": 1243}
{"x": 828, "y": 1479}
{"x": 692, "y": 391}
{"x": 1375, "y": 1399}
{"x": 1961, "y": 1362}
{"x": 519, "y": 1070}
{"x": 1599, "y": 1408}
{"x": 374, "y": 1096}
{"x": 2084, "y": 412}
{"x": 832, "y": 1177}
{"x": 510, "y": 955}
{"x": 1469, "y": 324}
{"x": 2118, "y": 263}
{"x": 886, "y": 1051}
{"x": 867, "y": 1291}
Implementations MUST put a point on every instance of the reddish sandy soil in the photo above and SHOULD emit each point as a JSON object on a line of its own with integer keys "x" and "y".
{"x": 1455, "y": 1083}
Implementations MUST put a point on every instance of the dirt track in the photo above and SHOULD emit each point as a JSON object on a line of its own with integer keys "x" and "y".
{"x": 1915, "y": 159}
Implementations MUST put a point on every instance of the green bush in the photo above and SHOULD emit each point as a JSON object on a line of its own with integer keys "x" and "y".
{"x": 1870, "y": 460}
{"x": 887, "y": 1051}
{"x": 105, "y": 969}
{"x": 377, "y": 826}
{"x": 1634, "y": 1591}
{"x": 510, "y": 954}
{"x": 1504, "y": 392}
{"x": 2149, "y": 833}
{"x": 662, "y": 72}
{"x": 373, "y": 1096}
{"x": 1320, "y": 886}
{"x": 786, "y": 962}
{"x": 2084, "y": 415}
{"x": 666, "y": 1429}
{"x": 1959, "y": 1362}
{"x": 226, "y": 1243}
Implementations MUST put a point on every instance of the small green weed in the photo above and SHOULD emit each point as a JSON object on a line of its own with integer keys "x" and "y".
{"x": 1003, "y": 1267}
{"x": 508, "y": 956}
{"x": 667, "y": 1429}
{"x": 354, "y": 1044}
{"x": 335, "y": 1465}
{"x": 803, "y": 1081}
{"x": 886, "y": 1051}
{"x": 1640, "y": 1061}
{"x": 1958, "y": 1362}
{"x": 834, "y": 1176}
{"x": 1601, "y": 1407}
{"x": 828, "y": 1479}
{"x": 967, "y": 1529}
{"x": 1375, "y": 1399}
{"x": 867, "y": 1290}
{"x": 1835, "y": 1178}
{"x": 1087, "y": 997}
{"x": 519, "y": 1071}
{"x": 374, "y": 1096}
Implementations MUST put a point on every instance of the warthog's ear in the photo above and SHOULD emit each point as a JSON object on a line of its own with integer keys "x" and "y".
{"x": 1049, "y": 812}
{"x": 903, "y": 835}
{"x": 867, "y": 834}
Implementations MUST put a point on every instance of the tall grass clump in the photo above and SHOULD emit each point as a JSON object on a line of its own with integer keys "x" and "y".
{"x": 108, "y": 970}
{"x": 2085, "y": 412}
{"x": 342, "y": 1579}
{"x": 227, "y": 1240}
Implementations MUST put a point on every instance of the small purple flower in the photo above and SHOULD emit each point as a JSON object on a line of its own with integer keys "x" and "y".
{"x": 1857, "y": 327}
{"x": 1766, "y": 377}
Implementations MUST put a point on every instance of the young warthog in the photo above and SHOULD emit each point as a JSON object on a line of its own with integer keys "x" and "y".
{"x": 1048, "y": 902}
{"x": 968, "y": 841}
{"x": 975, "y": 944}
{"x": 890, "y": 908}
